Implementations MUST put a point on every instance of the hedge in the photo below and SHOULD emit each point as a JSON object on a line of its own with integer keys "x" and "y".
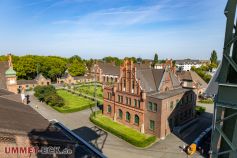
{"x": 59, "y": 109}
{"x": 141, "y": 141}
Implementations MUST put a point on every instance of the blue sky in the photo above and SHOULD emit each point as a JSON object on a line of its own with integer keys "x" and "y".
{"x": 96, "y": 28}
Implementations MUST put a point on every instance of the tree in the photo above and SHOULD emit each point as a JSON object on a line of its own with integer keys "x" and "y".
{"x": 213, "y": 58}
{"x": 77, "y": 68}
{"x": 155, "y": 61}
{"x": 74, "y": 57}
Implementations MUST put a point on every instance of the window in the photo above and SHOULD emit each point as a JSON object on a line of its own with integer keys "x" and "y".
{"x": 120, "y": 113}
{"x": 130, "y": 102}
{"x": 154, "y": 107}
{"x": 128, "y": 117}
{"x": 124, "y": 83}
{"x": 139, "y": 103}
{"x": 152, "y": 125}
{"x": 171, "y": 105}
{"x": 109, "y": 109}
{"x": 127, "y": 100}
{"x": 133, "y": 85}
{"x": 149, "y": 106}
{"x": 135, "y": 103}
{"x": 119, "y": 99}
{"x": 109, "y": 95}
{"x": 136, "y": 120}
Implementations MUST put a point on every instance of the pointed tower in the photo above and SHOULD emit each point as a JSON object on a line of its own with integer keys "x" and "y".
{"x": 10, "y": 75}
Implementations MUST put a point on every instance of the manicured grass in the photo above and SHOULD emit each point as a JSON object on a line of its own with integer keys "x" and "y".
{"x": 89, "y": 90}
{"x": 206, "y": 101}
{"x": 130, "y": 135}
{"x": 73, "y": 102}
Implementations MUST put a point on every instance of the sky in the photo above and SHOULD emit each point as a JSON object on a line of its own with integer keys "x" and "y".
{"x": 174, "y": 29}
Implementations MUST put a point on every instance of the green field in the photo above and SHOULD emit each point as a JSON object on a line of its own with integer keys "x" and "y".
{"x": 130, "y": 135}
{"x": 73, "y": 102}
{"x": 89, "y": 90}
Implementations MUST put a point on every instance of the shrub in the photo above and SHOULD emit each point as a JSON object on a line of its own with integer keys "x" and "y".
{"x": 54, "y": 100}
{"x": 200, "y": 109}
{"x": 48, "y": 94}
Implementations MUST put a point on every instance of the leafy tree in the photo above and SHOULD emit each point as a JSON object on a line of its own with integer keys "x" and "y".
{"x": 77, "y": 68}
{"x": 75, "y": 57}
{"x": 89, "y": 63}
{"x": 213, "y": 58}
{"x": 111, "y": 59}
{"x": 156, "y": 60}
{"x": 139, "y": 60}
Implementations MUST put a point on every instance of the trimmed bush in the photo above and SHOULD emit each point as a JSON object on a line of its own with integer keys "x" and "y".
{"x": 128, "y": 134}
{"x": 200, "y": 109}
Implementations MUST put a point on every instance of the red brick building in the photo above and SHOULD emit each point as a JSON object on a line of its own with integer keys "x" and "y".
{"x": 151, "y": 101}
{"x": 105, "y": 72}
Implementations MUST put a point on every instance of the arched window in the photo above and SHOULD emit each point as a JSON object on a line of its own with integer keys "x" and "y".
{"x": 120, "y": 113}
{"x": 167, "y": 88}
{"x": 136, "y": 119}
{"x": 109, "y": 109}
{"x": 128, "y": 116}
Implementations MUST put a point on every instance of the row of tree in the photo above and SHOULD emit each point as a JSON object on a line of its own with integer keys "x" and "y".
{"x": 27, "y": 67}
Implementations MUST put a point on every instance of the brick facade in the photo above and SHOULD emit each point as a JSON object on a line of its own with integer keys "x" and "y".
{"x": 150, "y": 110}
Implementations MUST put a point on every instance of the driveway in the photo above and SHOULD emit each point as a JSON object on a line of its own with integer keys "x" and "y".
{"x": 110, "y": 145}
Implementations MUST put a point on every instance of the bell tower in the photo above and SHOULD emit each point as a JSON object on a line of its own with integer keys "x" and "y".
{"x": 10, "y": 75}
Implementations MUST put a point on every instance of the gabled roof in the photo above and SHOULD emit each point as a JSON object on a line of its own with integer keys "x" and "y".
{"x": 40, "y": 76}
{"x": 184, "y": 75}
{"x": 109, "y": 68}
{"x": 147, "y": 79}
{"x": 191, "y": 76}
{"x": 4, "y": 66}
{"x": 151, "y": 79}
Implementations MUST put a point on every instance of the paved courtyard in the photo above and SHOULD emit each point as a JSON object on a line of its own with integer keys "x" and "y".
{"x": 110, "y": 145}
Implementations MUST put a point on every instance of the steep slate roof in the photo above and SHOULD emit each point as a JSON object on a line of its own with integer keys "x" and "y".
{"x": 147, "y": 79}
{"x": 109, "y": 68}
{"x": 184, "y": 75}
{"x": 196, "y": 78}
{"x": 20, "y": 117}
{"x": 4, "y": 66}
{"x": 151, "y": 79}
{"x": 21, "y": 82}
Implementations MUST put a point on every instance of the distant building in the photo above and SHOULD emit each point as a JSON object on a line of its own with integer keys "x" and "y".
{"x": 148, "y": 100}
{"x": 8, "y": 79}
{"x": 30, "y": 84}
{"x": 105, "y": 72}
{"x": 69, "y": 79}
{"x": 190, "y": 79}
{"x": 187, "y": 64}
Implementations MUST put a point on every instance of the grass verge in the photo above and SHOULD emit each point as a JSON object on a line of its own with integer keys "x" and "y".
{"x": 73, "y": 102}
{"x": 130, "y": 135}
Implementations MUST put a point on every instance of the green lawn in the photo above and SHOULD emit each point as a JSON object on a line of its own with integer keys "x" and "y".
{"x": 73, "y": 102}
{"x": 130, "y": 135}
{"x": 89, "y": 90}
